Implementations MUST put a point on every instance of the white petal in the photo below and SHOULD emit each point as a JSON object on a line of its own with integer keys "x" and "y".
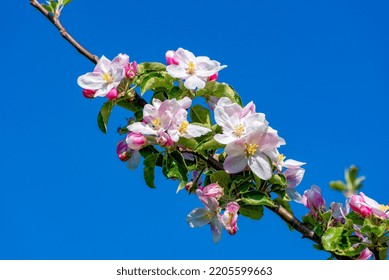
{"x": 235, "y": 164}
{"x": 177, "y": 71}
{"x": 224, "y": 138}
{"x": 185, "y": 103}
{"x": 197, "y": 218}
{"x": 260, "y": 165}
{"x": 139, "y": 127}
{"x": 195, "y": 131}
{"x": 183, "y": 56}
{"x": 194, "y": 82}
{"x": 91, "y": 80}
{"x": 103, "y": 65}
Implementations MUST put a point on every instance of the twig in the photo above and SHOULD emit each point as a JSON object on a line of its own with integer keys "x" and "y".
{"x": 55, "y": 21}
{"x": 93, "y": 58}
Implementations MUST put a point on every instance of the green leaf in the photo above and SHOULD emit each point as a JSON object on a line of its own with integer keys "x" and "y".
{"x": 103, "y": 116}
{"x": 331, "y": 238}
{"x": 257, "y": 198}
{"x": 127, "y": 104}
{"x": 65, "y": 2}
{"x": 222, "y": 178}
{"x": 208, "y": 145}
{"x": 220, "y": 90}
{"x": 174, "y": 167}
{"x": 278, "y": 179}
{"x": 146, "y": 67}
{"x": 354, "y": 183}
{"x": 254, "y": 212}
{"x": 200, "y": 114}
{"x": 337, "y": 185}
{"x": 368, "y": 228}
{"x": 149, "y": 167}
{"x": 150, "y": 81}
{"x": 326, "y": 216}
{"x": 190, "y": 143}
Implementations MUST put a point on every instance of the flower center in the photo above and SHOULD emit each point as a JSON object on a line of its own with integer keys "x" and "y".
{"x": 183, "y": 127}
{"x": 251, "y": 149}
{"x": 210, "y": 215}
{"x": 383, "y": 208}
{"x": 281, "y": 157}
{"x": 238, "y": 131}
{"x": 108, "y": 78}
{"x": 156, "y": 123}
{"x": 191, "y": 68}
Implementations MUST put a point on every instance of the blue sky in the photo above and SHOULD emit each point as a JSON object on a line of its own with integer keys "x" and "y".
{"x": 319, "y": 71}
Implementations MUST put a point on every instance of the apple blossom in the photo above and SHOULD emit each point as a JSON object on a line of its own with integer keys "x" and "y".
{"x": 131, "y": 69}
{"x": 88, "y": 93}
{"x": 313, "y": 200}
{"x": 169, "y": 55}
{"x": 212, "y": 190}
{"x": 126, "y": 154}
{"x": 230, "y": 217}
{"x": 339, "y": 212}
{"x": 112, "y": 94}
{"x": 255, "y": 150}
{"x": 105, "y": 76}
{"x": 136, "y": 141}
{"x": 365, "y": 254}
{"x": 366, "y": 206}
{"x": 236, "y": 122}
{"x": 194, "y": 70}
{"x": 294, "y": 174}
{"x": 199, "y": 217}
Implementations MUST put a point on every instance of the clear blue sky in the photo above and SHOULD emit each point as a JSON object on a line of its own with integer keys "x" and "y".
{"x": 319, "y": 71}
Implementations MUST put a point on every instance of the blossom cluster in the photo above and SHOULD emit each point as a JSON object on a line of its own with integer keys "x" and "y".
{"x": 177, "y": 133}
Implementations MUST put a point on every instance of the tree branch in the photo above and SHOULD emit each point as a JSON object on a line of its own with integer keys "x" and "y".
{"x": 93, "y": 58}
{"x": 55, "y": 21}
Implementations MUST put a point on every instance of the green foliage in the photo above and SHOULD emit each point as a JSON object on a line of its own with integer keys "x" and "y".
{"x": 222, "y": 178}
{"x": 174, "y": 167}
{"x": 257, "y": 198}
{"x": 55, "y": 7}
{"x": 254, "y": 212}
{"x": 103, "y": 116}
{"x": 219, "y": 90}
{"x": 199, "y": 114}
{"x": 149, "y": 167}
{"x": 352, "y": 182}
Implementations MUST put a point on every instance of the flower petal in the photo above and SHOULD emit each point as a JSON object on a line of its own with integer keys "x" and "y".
{"x": 260, "y": 165}
{"x": 197, "y": 218}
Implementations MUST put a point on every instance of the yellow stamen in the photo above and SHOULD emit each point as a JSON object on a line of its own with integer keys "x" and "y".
{"x": 281, "y": 157}
{"x": 183, "y": 127}
{"x": 108, "y": 78}
{"x": 156, "y": 123}
{"x": 210, "y": 215}
{"x": 383, "y": 207}
{"x": 251, "y": 149}
{"x": 191, "y": 68}
{"x": 238, "y": 131}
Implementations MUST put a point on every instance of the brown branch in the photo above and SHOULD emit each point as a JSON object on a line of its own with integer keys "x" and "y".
{"x": 55, "y": 21}
{"x": 295, "y": 223}
{"x": 93, "y": 58}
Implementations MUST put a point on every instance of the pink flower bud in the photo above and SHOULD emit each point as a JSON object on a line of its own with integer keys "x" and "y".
{"x": 230, "y": 217}
{"x": 112, "y": 94}
{"x": 122, "y": 151}
{"x": 88, "y": 93}
{"x": 131, "y": 69}
{"x": 314, "y": 200}
{"x": 136, "y": 141}
{"x": 164, "y": 139}
{"x": 170, "y": 58}
{"x": 359, "y": 205}
{"x": 213, "y": 190}
{"x": 213, "y": 77}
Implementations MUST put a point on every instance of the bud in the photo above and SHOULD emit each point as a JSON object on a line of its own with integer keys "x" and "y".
{"x": 170, "y": 58}
{"x": 314, "y": 200}
{"x": 122, "y": 151}
{"x": 359, "y": 205}
{"x": 136, "y": 141}
{"x": 88, "y": 93}
{"x": 213, "y": 77}
{"x": 112, "y": 94}
{"x": 131, "y": 69}
{"x": 213, "y": 190}
{"x": 230, "y": 217}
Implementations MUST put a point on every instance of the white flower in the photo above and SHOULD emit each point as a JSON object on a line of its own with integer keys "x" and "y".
{"x": 194, "y": 70}
{"x": 235, "y": 121}
{"x": 106, "y": 75}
